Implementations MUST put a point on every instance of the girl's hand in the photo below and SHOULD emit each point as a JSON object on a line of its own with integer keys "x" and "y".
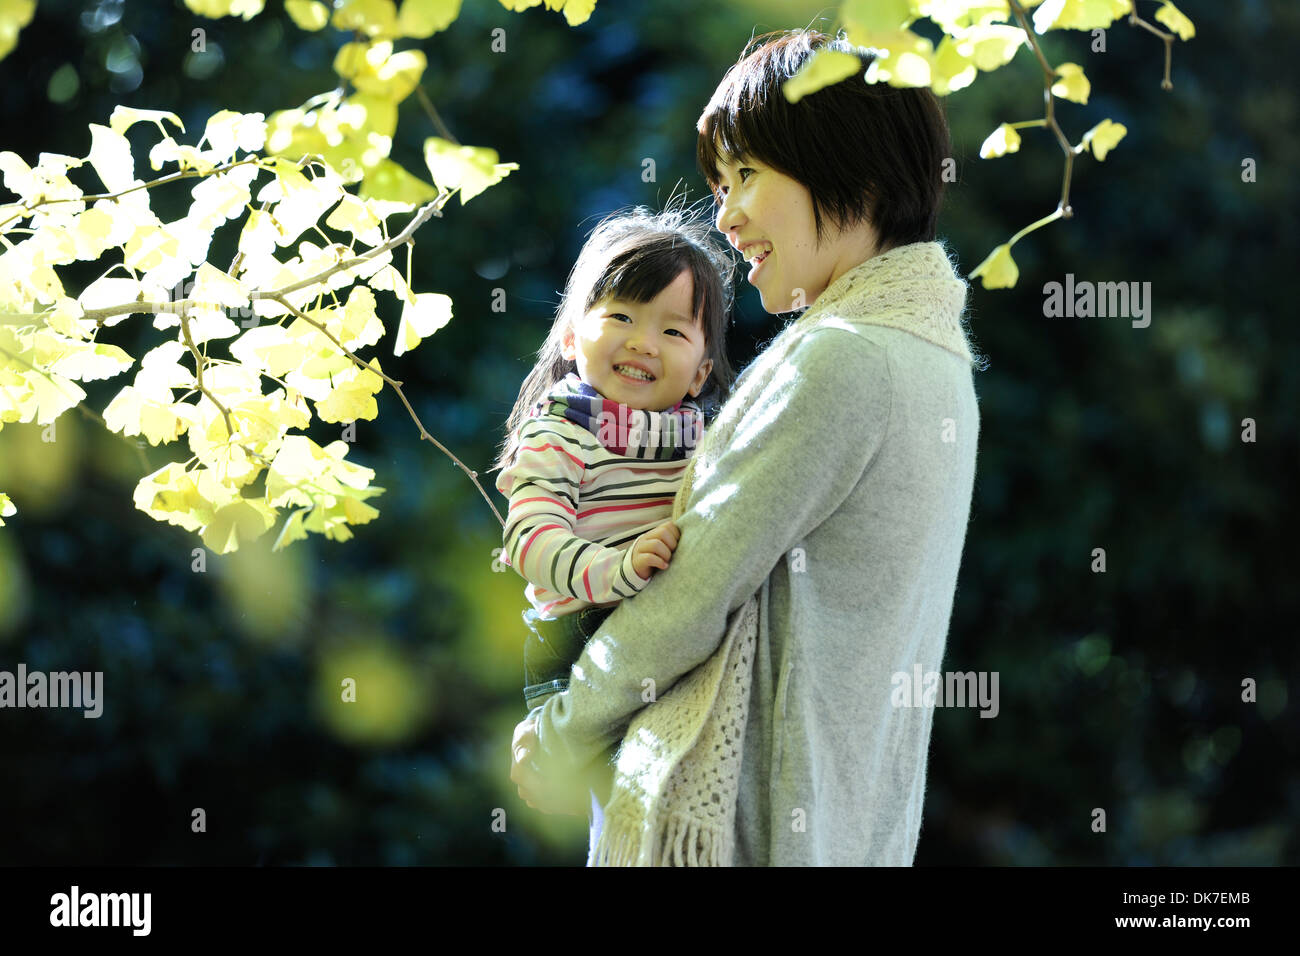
{"x": 654, "y": 549}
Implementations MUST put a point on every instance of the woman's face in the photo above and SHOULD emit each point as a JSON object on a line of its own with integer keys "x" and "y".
{"x": 769, "y": 217}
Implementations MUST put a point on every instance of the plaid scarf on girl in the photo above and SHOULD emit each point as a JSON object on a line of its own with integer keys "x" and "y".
{"x": 628, "y": 432}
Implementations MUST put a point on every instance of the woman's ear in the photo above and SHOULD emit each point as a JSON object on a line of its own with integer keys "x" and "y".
{"x": 701, "y": 376}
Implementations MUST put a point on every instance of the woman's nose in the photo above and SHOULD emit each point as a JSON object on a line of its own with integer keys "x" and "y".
{"x": 729, "y": 215}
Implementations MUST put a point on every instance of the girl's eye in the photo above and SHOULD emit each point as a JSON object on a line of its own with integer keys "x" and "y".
{"x": 677, "y": 332}
{"x": 743, "y": 170}
{"x": 618, "y": 315}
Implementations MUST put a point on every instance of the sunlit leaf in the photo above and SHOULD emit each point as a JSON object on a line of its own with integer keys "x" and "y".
{"x": 307, "y": 14}
{"x": 423, "y": 18}
{"x": 1104, "y": 137}
{"x": 1071, "y": 85}
{"x": 998, "y": 270}
{"x": 824, "y": 68}
{"x": 471, "y": 169}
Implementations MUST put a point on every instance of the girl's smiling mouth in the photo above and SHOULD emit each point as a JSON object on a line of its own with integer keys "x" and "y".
{"x": 633, "y": 375}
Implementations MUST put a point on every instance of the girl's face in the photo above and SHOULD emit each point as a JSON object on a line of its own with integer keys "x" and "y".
{"x": 647, "y": 355}
{"x": 769, "y": 217}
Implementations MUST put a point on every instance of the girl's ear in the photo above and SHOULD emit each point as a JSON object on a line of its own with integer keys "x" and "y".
{"x": 701, "y": 376}
{"x": 567, "y": 348}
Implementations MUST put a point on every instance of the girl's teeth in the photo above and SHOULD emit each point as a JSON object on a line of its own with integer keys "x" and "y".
{"x": 634, "y": 373}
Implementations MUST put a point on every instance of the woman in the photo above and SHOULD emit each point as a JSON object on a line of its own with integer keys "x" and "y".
{"x": 834, "y": 488}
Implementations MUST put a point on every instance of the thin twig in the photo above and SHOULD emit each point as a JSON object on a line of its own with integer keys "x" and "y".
{"x": 397, "y": 387}
{"x": 433, "y": 115}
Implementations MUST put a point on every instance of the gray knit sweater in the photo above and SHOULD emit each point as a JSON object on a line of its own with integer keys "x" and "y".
{"x": 842, "y": 499}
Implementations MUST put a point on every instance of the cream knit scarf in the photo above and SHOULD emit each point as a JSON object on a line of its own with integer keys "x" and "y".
{"x": 677, "y": 774}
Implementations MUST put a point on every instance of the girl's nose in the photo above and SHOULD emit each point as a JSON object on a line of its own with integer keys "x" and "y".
{"x": 643, "y": 342}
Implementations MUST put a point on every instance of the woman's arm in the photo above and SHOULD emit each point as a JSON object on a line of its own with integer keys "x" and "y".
{"x": 797, "y": 454}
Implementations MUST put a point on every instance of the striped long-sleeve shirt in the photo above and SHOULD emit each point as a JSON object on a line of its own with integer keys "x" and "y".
{"x": 576, "y": 507}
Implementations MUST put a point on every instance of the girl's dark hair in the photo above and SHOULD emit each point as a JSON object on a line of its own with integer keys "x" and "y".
{"x": 635, "y": 255}
{"x": 863, "y": 150}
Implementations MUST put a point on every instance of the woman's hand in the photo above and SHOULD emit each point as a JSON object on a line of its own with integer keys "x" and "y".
{"x": 535, "y": 789}
{"x": 654, "y": 549}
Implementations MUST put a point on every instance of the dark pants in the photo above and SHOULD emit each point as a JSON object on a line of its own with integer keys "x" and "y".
{"x": 551, "y": 648}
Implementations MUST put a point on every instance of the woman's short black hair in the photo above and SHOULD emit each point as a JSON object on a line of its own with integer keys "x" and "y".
{"x": 863, "y": 150}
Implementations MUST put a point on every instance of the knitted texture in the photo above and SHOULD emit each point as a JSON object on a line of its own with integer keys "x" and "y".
{"x": 673, "y": 801}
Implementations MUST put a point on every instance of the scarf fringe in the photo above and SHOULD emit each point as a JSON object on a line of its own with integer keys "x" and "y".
{"x": 679, "y": 840}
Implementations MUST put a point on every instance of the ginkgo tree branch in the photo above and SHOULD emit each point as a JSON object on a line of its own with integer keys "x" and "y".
{"x": 397, "y": 387}
{"x": 1049, "y": 117}
{"x": 25, "y": 210}
{"x": 1168, "y": 38}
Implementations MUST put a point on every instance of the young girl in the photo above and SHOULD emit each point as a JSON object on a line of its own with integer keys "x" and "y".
{"x": 600, "y": 437}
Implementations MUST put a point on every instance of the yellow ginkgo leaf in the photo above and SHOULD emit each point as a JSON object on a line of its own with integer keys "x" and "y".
{"x": 388, "y": 181}
{"x": 352, "y": 397}
{"x": 824, "y": 68}
{"x": 110, "y": 155}
{"x": 471, "y": 169}
{"x": 951, "y": 69}
{"x": 999, "y": 270}
{"x": 429, "y": 312}
{"x": 421, "y": 19}
{"x": 1103, "y": 137}
{"x": 236, "y": 523}
{"x": 226, "y": 8}
{"x": 124, "y": 117}
{"x": 1072, "y": 85}
{"x": 228, "y": 131}
{"x": 374, "y": 18}
{"x": 1176, "y": 21}
{"x": 6, "y": 508}
{"x": 877, "y": 16}
{"x": 993, "y": 45}
{"x": 578, "y": 12}
{"x": 308, "y": 14}
{"x": 14, "y": 15}
{"x": 1079, "y": 14}
{"x": 88, "y": 362}
{"x": 1001, "y": 141}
